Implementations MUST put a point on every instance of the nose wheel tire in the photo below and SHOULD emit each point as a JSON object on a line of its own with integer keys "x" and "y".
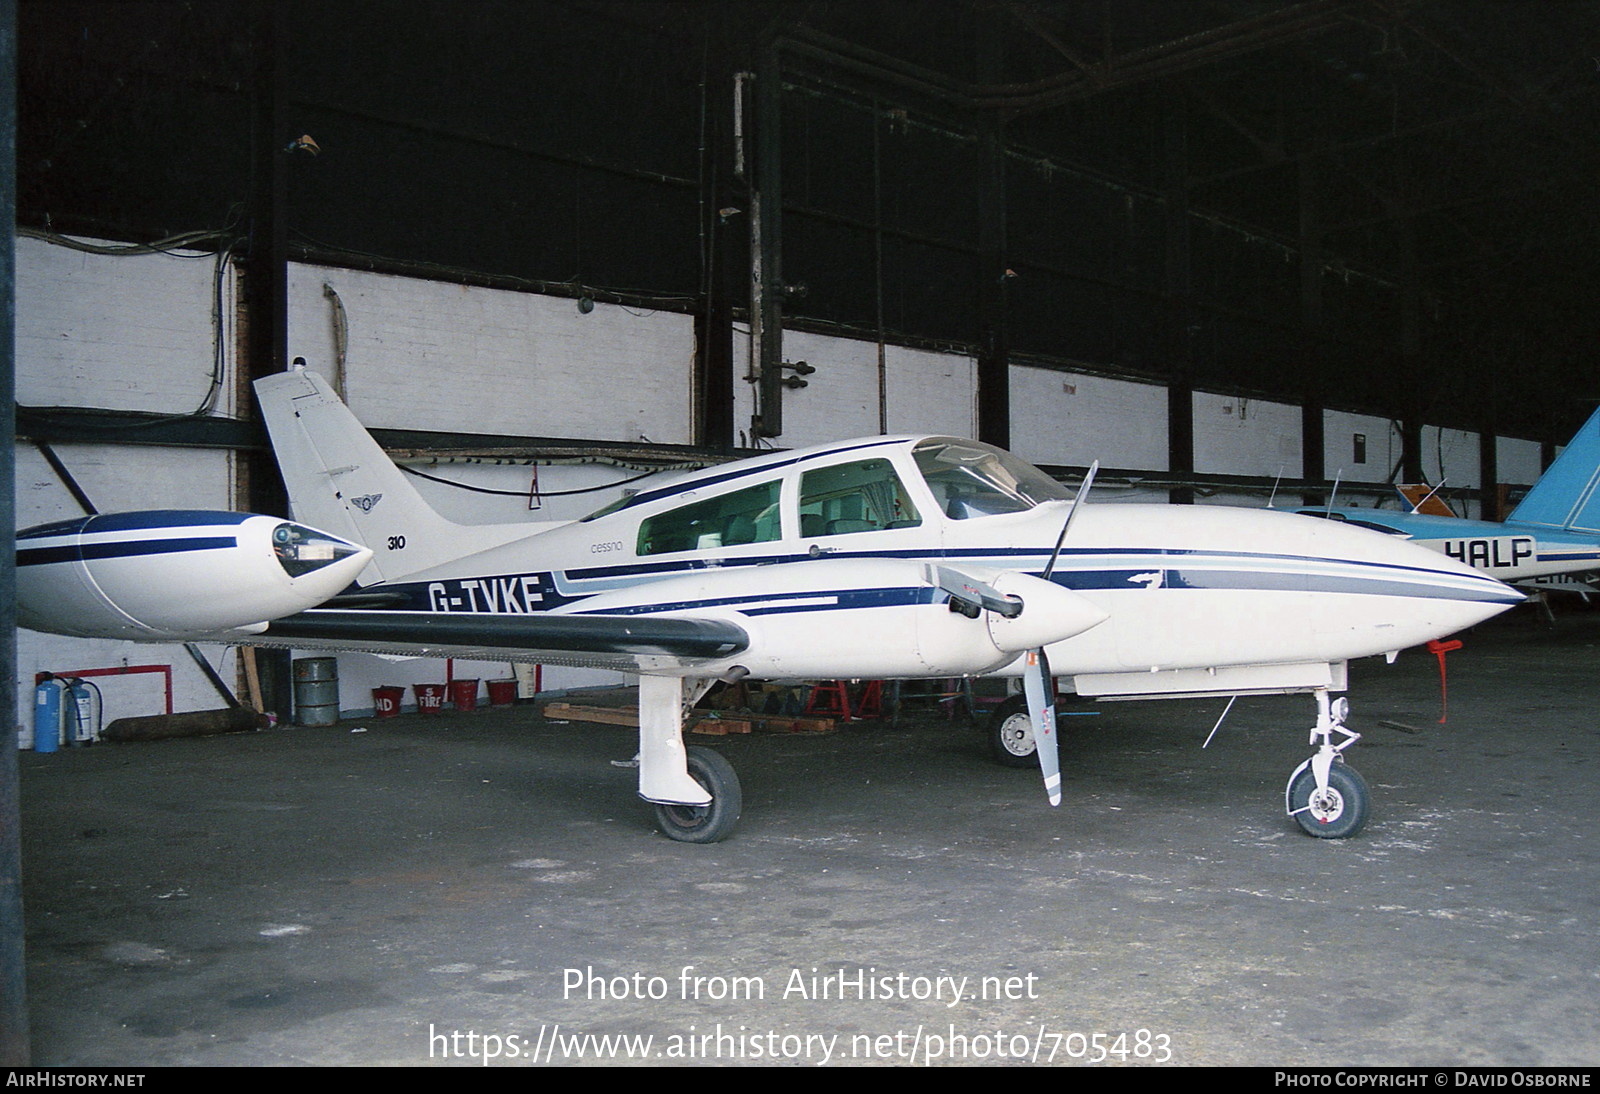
{"x": 705, "y": 823}
{"x": 1334, "y": 813}
{"x": 1010, "y": 732}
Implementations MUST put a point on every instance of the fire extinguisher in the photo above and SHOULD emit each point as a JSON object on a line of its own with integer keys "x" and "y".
{"x": 83, "y": 712}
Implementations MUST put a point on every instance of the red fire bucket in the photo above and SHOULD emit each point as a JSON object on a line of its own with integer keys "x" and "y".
{"x": 502, "y": 693}
{"x": 464, "y": 694}
{"x": 430, "y": 698}
{"x": 386, "y": 701}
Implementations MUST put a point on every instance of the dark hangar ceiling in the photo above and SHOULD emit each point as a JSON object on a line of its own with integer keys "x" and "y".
{"x": 1380, "y": 204}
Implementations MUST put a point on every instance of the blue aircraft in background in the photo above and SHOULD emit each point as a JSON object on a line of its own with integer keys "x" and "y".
{"x": 1550, "y": 540}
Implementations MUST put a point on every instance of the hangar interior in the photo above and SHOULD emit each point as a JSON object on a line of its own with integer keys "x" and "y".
{"x": 1232, "y": 251}
{"x": 1235, "y": 251}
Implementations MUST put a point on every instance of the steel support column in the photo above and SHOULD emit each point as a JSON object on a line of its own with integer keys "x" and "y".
{"x": 266, "y": 288}
{"x": 766, "y": 305}
{"x": 722, "y": 230}
{"x": 1180, "y": 311}
{"x": 14, "y": 1050}
{"x": 994, "y": 339}
{"x": 1313, "y": 393}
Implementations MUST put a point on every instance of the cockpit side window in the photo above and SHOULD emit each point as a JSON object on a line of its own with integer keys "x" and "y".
{"x": 973, "y": 480}
{"x": 730, "y": 520}
{"x": 866, "y": 496}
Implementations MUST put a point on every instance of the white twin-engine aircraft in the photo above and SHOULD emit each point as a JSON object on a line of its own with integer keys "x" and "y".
{"x": 879, "y": 558}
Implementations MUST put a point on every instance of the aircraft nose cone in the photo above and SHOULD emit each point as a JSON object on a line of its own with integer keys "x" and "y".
{"x": 1440, "y": 595}
{"x": 1049, "y": 613}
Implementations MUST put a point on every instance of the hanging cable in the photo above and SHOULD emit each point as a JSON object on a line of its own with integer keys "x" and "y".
{"x": 524, "y": 493}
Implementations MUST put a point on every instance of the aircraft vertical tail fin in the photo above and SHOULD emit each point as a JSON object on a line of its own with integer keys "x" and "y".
{"x": 1566, "y": 494}
{"x": 341, "y": 481}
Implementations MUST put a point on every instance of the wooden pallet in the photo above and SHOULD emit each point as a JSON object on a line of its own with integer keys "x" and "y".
{"x": 712, "y": 723}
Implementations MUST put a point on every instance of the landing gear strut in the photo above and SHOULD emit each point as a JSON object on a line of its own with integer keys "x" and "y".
{"x": 695, "y": 791}
{"x": 1325, "y": 795}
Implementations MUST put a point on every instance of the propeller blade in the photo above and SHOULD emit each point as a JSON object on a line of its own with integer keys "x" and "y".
{"x": 1042, "y": 710}
{"x": 1036, "y": 681}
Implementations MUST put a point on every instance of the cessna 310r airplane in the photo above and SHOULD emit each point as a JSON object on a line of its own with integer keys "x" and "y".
{"x": 878, "y": 558}
{"x": 1549, "y": 539}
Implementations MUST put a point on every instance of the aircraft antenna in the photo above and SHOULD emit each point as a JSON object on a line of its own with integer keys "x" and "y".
{"x": 1077, "y": 503}
{"x": 1417, "y": 508}
{"x": 1274, "y": 495}
{"x": 1218, "y": 726}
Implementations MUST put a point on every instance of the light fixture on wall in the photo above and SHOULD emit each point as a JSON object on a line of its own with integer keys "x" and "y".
{"x": 800, "y": 368}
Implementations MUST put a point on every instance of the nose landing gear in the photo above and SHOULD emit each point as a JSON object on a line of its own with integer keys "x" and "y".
{"x": 1325, "y": 795}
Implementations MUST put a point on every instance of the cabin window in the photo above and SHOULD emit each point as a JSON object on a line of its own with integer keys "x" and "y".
{"x": 976, "y": 480}
{"x": 729, "y": 520}
{"x": 866, "y": 496}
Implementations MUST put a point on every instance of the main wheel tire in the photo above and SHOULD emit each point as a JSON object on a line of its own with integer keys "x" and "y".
{"x": 1010, "y": 732}
{"x": 705, "y": 823}
{"x": 1338, "y": 812}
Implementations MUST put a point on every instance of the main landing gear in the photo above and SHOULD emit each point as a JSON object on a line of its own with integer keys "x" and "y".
{"x": 1325, "y": 795}
{"x": 695, "y": 791}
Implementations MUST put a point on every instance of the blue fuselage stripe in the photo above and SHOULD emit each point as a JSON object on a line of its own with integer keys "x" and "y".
{"x": 85, "y": 552}
{"x": 1116, "y": 570}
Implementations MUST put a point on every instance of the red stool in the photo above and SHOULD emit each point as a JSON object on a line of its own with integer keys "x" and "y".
{"x": 830, "y": 697}
{"x": 870, "y": 705}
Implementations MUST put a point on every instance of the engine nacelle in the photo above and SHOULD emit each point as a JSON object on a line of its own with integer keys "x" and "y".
{"x": 175, "y": 574}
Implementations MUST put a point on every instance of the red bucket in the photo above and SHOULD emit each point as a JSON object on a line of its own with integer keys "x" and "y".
{"x": 464, "y": 694}
{"x": 430, "y": 698}
{"x": 502, "y": 693}
{"x": 386, "y": 701}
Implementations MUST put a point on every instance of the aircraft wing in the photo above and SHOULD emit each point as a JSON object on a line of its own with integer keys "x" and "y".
{"x": 621, "y": 641}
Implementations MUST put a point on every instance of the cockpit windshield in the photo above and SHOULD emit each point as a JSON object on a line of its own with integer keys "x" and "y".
{"x": 975, "y": 480}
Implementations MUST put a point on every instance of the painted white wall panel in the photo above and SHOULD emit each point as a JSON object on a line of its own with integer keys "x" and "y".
{"x": 840, "y": 399}
{"x": 1070, "y": 418}
{"x": 1451, "y": 456}
{"x": 132, "y": 695}
{"x": 430, "y": 355}
{"x": 121, "y": 477}
{"x": 122, "y": 332}
{"x": 1517, "y": 461}
{"x": 927, "y": 391}
{"x": 1339, "y": 432}
{"x": 1235, "y": 436}
{"x": 932, "y": 392}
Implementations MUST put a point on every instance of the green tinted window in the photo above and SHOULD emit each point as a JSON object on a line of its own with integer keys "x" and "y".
{"x": 854, "y": 497}
{"x": 745, "y": 516}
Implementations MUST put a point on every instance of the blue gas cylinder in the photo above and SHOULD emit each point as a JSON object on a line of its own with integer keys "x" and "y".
{"x": 48, "y": 706}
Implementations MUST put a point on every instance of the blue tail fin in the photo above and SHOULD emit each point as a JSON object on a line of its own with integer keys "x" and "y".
{"x": 1566, "y": 495}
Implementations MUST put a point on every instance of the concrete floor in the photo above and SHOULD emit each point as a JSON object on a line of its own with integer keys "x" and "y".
{"x": 436, "y": 888}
